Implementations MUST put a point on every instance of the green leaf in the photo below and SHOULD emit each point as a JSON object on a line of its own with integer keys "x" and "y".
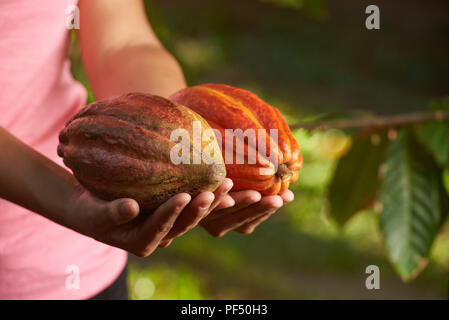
{"x": 356, "y": 179}
{"x": 412, "y": 200}
{"x": 435, "y": 136}
{"x": 444, "y": 194}
{"x": 446, "y": 179}
{"x": 439, "y": 104}
{"x": 314, "y": 8}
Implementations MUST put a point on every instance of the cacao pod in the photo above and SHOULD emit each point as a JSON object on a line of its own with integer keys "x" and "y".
{"x": 225, "y": 107}
{"x": 120, "y": 148}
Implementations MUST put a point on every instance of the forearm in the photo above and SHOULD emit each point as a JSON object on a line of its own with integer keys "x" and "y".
{"x": 31, "y": 180}
{"x": 121, "y": 52}
{"x": 144, "y": 68}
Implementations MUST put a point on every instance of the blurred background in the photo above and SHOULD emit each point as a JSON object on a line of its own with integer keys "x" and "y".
{"x": 309, "y": 58}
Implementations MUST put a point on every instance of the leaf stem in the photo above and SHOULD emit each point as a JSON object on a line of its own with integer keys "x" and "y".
{"x": 375, "y": 122}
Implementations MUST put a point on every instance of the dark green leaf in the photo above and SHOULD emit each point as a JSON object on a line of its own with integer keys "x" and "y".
{"x": 439, "y": 104}
{"x": 435, "y": 136}
{"x": 444, "y": 189}
{"x": 446, "y": 179}
{"x": 356, "y": 179}
{"x": 411, "y": 196}
{"x": 314, "y": 8}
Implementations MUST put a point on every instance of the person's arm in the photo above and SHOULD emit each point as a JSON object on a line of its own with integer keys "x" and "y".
{"x": 121, "y": 53}
{"x": 32, "y": 181}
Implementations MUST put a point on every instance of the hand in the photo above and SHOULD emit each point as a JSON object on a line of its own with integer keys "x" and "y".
{"x": 119, "y": 224}
{"x": 184, "y": 223}
{"x": 250, "y": 210}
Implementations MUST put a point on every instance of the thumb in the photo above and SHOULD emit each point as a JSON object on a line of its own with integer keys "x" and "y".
{"x": 121, "y": 211}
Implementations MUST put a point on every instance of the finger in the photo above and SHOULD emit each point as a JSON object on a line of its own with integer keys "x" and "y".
{"x": 191, "y": 215}
{"x": 242, "y": 200}
{"x": 226, "y": 202}
{"x": 249, "y": 227}
{"x": 221, "y": 192}
{"x": 156, "y": 227}
{"x": 165, "y": 243}
{"x": 224, "y": 224}
{"x": 287, "y": 196}
{"x": 117, "y": 212}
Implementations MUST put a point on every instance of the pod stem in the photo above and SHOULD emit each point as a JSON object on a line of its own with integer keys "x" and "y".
{"x": 284, "y": 172}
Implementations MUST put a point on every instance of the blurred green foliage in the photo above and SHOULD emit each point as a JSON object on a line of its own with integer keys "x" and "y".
{"x": 314, "y": 8}
{"x": 311, "y": 59}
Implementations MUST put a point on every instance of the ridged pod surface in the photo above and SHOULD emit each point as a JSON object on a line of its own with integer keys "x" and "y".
{"x": 120, "y": 147}
{"x": 226, "y": 107}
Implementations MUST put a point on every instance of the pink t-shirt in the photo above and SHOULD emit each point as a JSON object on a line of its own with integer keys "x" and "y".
{"x": 40, "y": 259}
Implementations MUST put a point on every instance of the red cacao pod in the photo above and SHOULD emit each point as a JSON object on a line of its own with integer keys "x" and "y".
{"x": 226, "y": 107}
{"x": 120, "y": 148}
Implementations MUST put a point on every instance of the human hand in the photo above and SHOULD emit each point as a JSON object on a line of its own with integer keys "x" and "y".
{"x": 250, "y": 210}
{"x": 118, "y": 223}
{"x": 42, "y": 186}
{"x": 219, "y": 198}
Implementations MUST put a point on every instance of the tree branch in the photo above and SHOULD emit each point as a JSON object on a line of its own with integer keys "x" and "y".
{"x": 375, "y": 122}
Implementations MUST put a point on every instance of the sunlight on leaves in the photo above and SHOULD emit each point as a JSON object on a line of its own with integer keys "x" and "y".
{"x": 162, "y": 281}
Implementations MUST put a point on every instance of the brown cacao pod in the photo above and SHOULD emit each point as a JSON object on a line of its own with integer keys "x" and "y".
{"x": 225, "y": 107}
{"x": 120, "y": 148}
